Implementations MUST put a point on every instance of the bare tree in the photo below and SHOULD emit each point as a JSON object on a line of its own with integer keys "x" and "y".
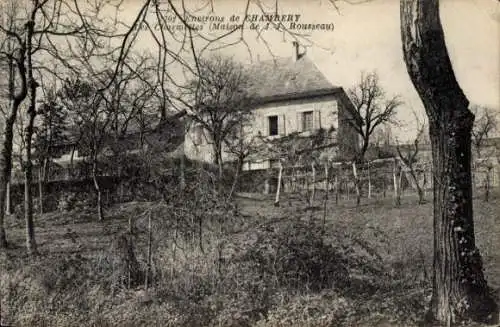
{"x": 221, "y": 102}
{"x": 49, "y": 132}
{"x": 375, "y": 110}
{"x": 409, "y": 156}
{"x": 35, "y": 36}
{"x": 87, "y": 111}
{"x": 460, "y": 291}
{"x": 241, "y": 144}
{"x": 8, "y": 51}
{"x": 484, "y": 124}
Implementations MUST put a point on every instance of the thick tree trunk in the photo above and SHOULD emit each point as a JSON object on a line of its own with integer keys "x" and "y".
{"x": 460, "y": 290}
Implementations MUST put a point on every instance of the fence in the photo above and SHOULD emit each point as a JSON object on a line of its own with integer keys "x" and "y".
{"x": 378, "y": 178}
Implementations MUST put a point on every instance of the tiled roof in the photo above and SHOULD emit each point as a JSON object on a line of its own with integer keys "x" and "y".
{"x": 284, "y": 78}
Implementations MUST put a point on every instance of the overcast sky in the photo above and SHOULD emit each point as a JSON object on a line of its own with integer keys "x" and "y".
{"x": 366, "y": 37}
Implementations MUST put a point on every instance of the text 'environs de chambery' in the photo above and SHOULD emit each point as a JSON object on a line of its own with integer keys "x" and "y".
{"x": 252, "y": 21}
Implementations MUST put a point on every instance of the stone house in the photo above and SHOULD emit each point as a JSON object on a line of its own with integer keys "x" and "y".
{"x": 293, "y": 96}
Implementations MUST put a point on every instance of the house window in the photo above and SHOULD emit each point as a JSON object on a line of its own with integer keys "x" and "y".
{"x": 307, "y": 121}
{"x": 273, "y": 125}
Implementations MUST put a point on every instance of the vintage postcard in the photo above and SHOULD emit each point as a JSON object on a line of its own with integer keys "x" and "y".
{"x": 249, "y": 163}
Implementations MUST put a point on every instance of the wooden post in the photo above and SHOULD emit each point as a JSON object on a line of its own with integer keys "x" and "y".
{"x": 336, "y": 189}
{"x": 313, "y": 191}
{"x": 8, "y": 205}
{"x": 278, "y": 187}
{"x": 325, "y": 203}
{"x": 384, "y": 185}
{"x": 266, "y": 186}
{"x": 148, "y": 270}
{"x": 395, "y": 187}
{"x": 337, "y": 184}
{"x": 327, "y": 183}
{"x": 397, "y": 197}
{"x": 356, "y": 183}
{"x": 40, "y": 190}
{"x": 369, "y": 182}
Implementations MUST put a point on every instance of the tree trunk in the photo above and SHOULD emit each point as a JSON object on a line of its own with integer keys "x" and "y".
{"x": 182, "y": 175}
{"x": 6, "y": 151}
{"x": 460, "y": 290}
{"x": 100, "y": 214}
{"x": 239, "y": 168}
{"x": 217, "y": 148}
{"x": 419, "y": 188}
{"x": 28, "y": 176}
{"x": 487, "y": 184}
{"x": 28, "y": 168}
{"x": 5, "y": 168}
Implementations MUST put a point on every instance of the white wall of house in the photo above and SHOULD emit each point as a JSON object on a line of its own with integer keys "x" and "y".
{"x": 290, "y": 116}
{"x": 297, "y": 115}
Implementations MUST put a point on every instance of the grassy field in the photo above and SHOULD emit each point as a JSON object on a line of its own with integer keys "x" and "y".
{"x": 260, "y": 266}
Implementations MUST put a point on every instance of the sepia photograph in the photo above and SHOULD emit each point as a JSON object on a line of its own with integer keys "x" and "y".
{"x": 249, "y": 163}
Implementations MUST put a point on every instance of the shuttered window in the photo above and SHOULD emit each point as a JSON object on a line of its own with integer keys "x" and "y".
{"x": 307, "y": 121}
{"x": 273, "y": 125}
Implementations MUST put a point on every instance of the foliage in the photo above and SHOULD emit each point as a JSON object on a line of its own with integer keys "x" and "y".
{"x": 262, "y": 283}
